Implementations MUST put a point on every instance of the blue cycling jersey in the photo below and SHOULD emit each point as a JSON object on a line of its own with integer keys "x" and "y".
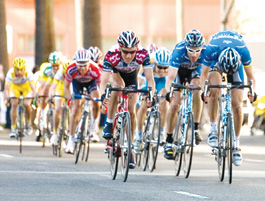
{"x": 180, "y": 59}
{"x": 221, "y": 41}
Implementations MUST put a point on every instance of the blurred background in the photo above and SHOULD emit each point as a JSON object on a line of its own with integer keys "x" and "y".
{"x": 33, "y": 28}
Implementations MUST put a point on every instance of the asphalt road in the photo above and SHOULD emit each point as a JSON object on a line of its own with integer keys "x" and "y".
{"x": 38, "y": 175}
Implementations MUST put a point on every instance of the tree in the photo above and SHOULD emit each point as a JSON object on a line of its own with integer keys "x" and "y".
{"x": 44, "y": 36}
{"x": 3, "y": 37}
{"x": 92, "y": 23}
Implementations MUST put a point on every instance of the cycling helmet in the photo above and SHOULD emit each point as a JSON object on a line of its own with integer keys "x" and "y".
{"x": 44, "y": 65}
{"x": 19, "y": 63}
{"x": 95, "y": 53}
{"x": 194, "y": 39}
{"x": 66, "y": 64}
{"x": 55, "y": 57}
{"x": 82, "y": 55}
{"x": 162, "y": 56}
{"x": 128, "y": 39}
{"x": 152, "y": 48}
{"x": 229, "y": 60}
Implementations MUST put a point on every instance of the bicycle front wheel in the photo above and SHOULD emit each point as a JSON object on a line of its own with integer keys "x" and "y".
{"x": 154, "y": 141}
{"x": 125, "y": 145}
{"x": 189, "y": 144}
{"x": 220, "y": 154}
{"x": 20, "y": 127}
{"x": 114, "y": 153}
{"x": 229, "y": 147}
{"x": 146, "y": 143}
{"x": 177, "y": 146}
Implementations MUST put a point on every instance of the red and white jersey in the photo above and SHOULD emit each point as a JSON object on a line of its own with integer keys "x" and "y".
{"x": 113, "y": 61}
{"x": 93, "y": 73}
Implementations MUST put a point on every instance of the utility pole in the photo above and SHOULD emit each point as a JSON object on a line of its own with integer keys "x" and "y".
{"x": 179, "y": 21}
{"x": 225, "y": 11}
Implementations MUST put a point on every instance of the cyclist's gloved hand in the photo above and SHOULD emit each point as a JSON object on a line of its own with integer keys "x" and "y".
{"x": 35, "y": 102}
{"x": 252, "y": 98}
{"x": 103, "y": 97}
{"x": 7, "y": 102}
{"x": 203, "y": 98}
{"x": 69, "y": 101}
{"x": 167, "y": 97}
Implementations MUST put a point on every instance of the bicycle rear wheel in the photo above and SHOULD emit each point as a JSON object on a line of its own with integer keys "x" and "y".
{"x": 154, "y": 141}
{"x": 176, "y": 143}
{"x": 189, "y": 144}
{"x": 229, "y": 147}
{"x": 220, "y": 155}
{"x": 125, "y": 145}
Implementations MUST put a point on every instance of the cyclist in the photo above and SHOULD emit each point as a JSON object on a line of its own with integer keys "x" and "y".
{"x": 19, "y": 81}
{"x": 160, "y": 68}
{"x": 227, "y": 53}
{"x": 82, "y": 73}
{"x": 55, "y": 62}
{"x": 121, "y": 66}
{"x": 185, "y": 64}
{"x": 96, "y": 56}
{"x": 57, "y": 89}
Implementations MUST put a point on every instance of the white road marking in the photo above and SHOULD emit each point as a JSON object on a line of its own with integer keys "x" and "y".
{"x": 6, "y": 156}
{"x": 255, "y": 161}
{"x": 191, "y": 195}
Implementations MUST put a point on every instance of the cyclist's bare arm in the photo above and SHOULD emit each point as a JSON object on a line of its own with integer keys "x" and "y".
{"x": 105, "y": 78}
{"x": 6, "y": 91}
{"x": 33, "y": 89}
{"x": 52, "y": 89}
{"x": 250, "y": 76}
{"x": 149, "y": 75}
{"x": 67, "y": 89}
{"x": 172, "y": 73}
{"x": 204, "y": 75}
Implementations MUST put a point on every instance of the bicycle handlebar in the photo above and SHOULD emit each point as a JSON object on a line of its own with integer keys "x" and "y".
{"x": 87, "y": 97}
{"x": 229, "y": 86}
{"x": 127, "y": 90}
{"x": 175, "y": 87}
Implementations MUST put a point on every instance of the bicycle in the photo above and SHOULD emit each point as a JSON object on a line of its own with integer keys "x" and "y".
{"x": 184, "y": 136}
{"x": 63, "y": 127}
{"x": 21, "y": 119}
{"x": 46, "y": 123}
{"x": 226, "y": 133}
{"x": 82, "y": 135}
{"x": 120, "y": 143}
{"x": 151, "y": 136}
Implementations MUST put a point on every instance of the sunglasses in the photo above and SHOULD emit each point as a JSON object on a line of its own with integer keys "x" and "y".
{"x": 162, "y": 67}
{"x": 81, "y": 65}
{"x": 128, "y": 52}
{"x": 193, "y": 51}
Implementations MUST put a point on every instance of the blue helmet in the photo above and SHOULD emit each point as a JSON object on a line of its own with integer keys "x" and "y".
{"x": 162, "y": 56}
{"x": 194, "y": 39}
{"x": 229, "y": 60}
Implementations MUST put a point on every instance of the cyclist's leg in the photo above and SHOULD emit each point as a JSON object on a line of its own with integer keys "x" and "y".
{"x": 141, "y": 113}
{"x": 197, "y": 105}
{"x": 163, "y": 107}
{"x": 13, "y": 92}
{"x": 94, "y": 92}
{"x": 237, "y": 100}
{"x": 27, "y": 92}
{"x": 116, "y": 82}
{"x": 214, "y": 78}
{"x": 132, "y": 100}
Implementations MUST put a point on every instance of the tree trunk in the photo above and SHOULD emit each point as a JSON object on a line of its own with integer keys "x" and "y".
{"x": 3, "y": 37}
{"x": 45, "y": 39}
{"x": 92, "y": 23}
